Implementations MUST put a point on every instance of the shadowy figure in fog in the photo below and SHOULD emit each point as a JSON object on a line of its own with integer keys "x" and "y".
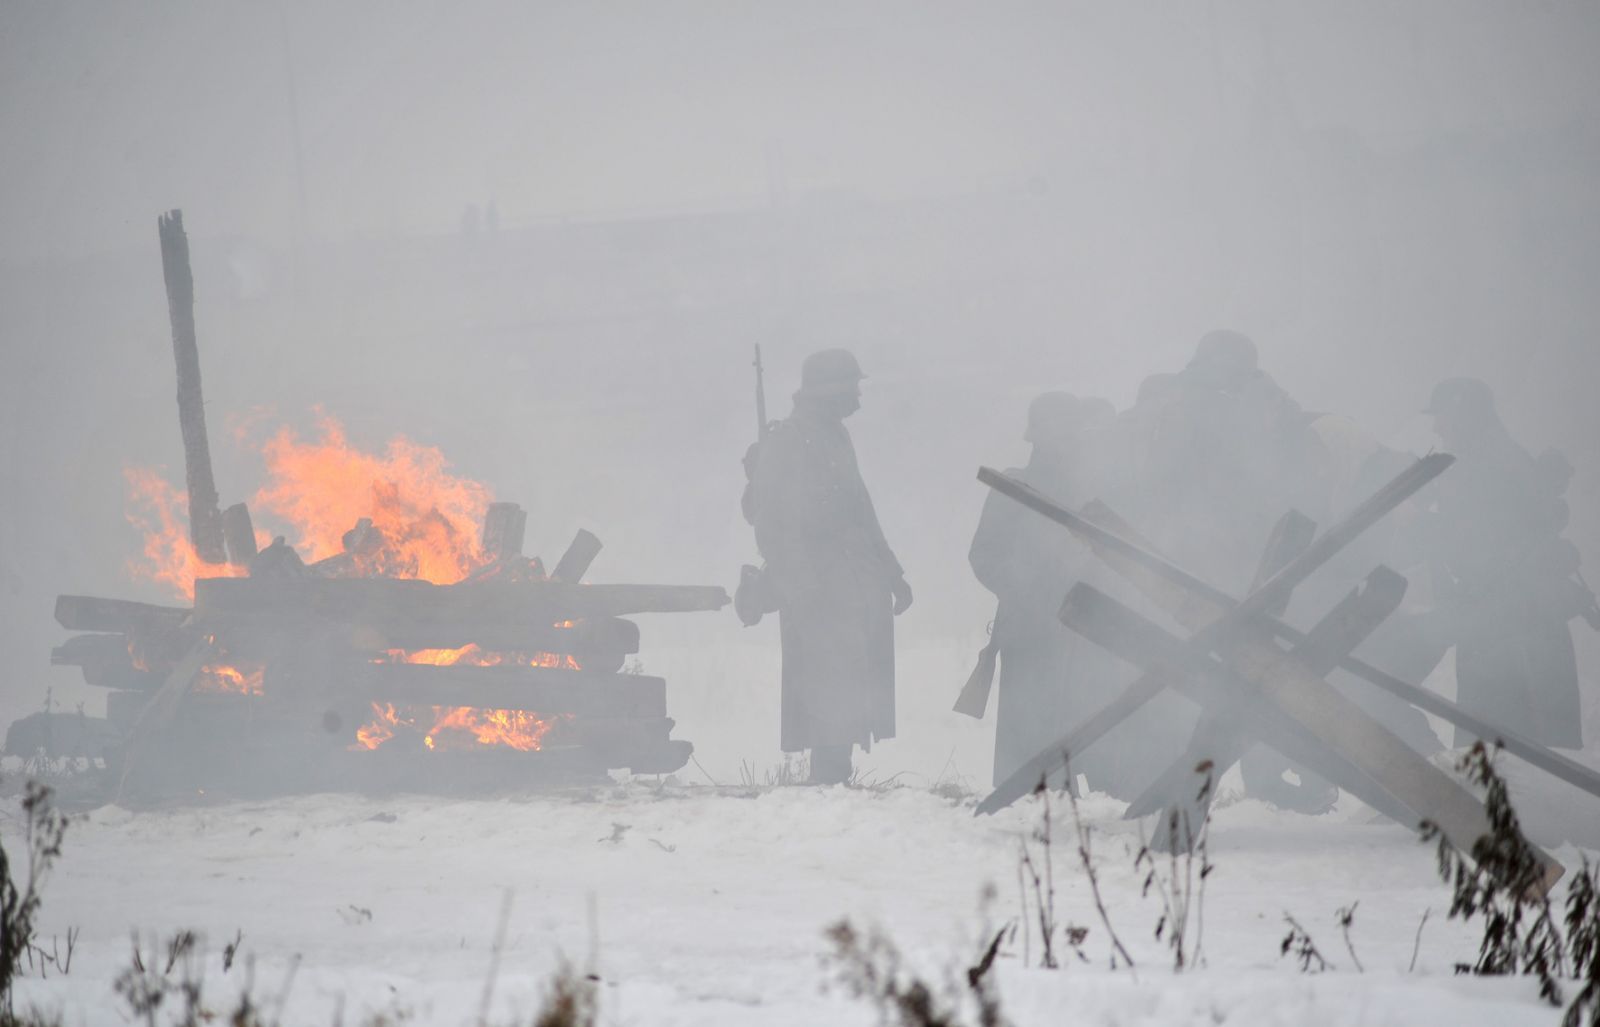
{"x": 836, "y": 584}
{"x": 1505, "y": 582}
{"x": 1050, "y": 678}
{"x": 1224, "y": 453}
{"x": 1356, "y": 466}
{"x": 1212, "y": 457}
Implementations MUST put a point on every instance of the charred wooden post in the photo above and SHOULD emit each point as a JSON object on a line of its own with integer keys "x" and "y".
{"x": 575, "y": 561}
{"x": 205, "y": 517}
{"x": 504, "y": 526}
{"x": 239, "y": 534}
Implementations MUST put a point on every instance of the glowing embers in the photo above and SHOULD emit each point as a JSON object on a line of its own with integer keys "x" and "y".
{"x": 473, "y": 656}
{"x": 228, "y": 679}
{"x": 456, "y": 728}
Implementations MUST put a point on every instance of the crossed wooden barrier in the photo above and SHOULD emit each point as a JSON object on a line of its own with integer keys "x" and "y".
{"x": 1235, "y": 666}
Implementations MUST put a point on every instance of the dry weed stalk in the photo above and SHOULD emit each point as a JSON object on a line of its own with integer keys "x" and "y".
{"x": 1182, "y": 889}
{"x": 44, "y": 827}
{"x": 870, "y": 967}
{"x": 1085, "y": 833}
{"x": 1298, "y": 940}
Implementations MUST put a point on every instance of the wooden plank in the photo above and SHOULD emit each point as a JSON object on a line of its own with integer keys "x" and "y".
{"x": 1216, "y": 735}
{"x": 601, "y": 642}
{"x": 205, "y": 519}
{"x": 145, "y": 736}
{"x": 1222, "y": 739}
{"x": 504, "y": 526}
{"x": 1281, "y": 584}
{"x": 82, "y": 650}
{"x": 574, "y": 563}
{"x": 538, "y": 690}
{"x": 239, "y": 534}
{"x": 1261, "y": 672}
{"x": 1219, "y": 619}
{"x": 1181, "y": 594}
{"x": 410, "y": 605}
{"x": 91, "y": 613}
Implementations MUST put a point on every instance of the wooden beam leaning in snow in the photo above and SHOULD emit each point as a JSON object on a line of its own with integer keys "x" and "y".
{"x": 1226, "y": 620}
{"x": 1215, "y": 687}
{"x": 1206, "y": 596}
{"x": 1260, "y": 672}
{"x": 1163, "y": 583}
{"x": 1222, "y": 739}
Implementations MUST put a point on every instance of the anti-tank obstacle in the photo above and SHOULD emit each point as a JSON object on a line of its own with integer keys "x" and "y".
{"x": 1250, "y": 688}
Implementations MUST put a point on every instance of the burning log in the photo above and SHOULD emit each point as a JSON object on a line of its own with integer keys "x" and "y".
{"x": 503, "y": 528}
{"x": 407, "y": 606}
{"x": 598, "y": 644}
{"x": 574, "y": 563}
{"x": 239, "y": 534}
{"x": 578, "y": 692}
{"x": 205, "y": 517}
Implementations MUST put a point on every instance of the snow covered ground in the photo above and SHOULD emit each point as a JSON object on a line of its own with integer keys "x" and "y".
{"x": 707, "y": 905}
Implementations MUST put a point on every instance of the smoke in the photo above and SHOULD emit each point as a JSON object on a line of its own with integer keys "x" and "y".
{"x": 544, "y": 237}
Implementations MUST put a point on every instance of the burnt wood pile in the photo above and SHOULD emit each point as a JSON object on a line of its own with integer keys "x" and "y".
{"x": 290, "y": 676}
{"x": 290, "y": 680}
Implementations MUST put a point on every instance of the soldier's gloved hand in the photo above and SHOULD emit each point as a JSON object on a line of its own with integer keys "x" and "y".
{"x": 902, "y": 596}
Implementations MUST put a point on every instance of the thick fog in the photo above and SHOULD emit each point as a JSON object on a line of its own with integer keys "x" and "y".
{"x": 544, "y": 238}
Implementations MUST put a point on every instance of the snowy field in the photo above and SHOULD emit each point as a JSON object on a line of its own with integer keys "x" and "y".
{"x": 707, "y": 905}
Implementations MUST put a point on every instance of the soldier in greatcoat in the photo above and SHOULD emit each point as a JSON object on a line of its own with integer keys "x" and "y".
{"x": 1050, "y": 678}
{"x": 1505, "y": 581}
{"x": 836, "y": 583}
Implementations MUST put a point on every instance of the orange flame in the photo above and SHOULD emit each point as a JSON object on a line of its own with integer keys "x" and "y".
{"x": 474, "y": 656}
{"x": 456, "y": 727}
{"x": 517, "y": 729}
{"x": 161, "y": 512}
{"x": 426, "y": 520}
{"x": 225, "y": 679}
{"x": 381, "y": 728}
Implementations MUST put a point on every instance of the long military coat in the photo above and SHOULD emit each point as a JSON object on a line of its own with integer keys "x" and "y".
{"x": 1030, "y": 564}
{"x": 832, "y": 571}
{"x": 1503, "y": 576}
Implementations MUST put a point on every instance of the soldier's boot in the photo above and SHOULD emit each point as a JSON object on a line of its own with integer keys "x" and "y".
{"x": 831, "y": 764}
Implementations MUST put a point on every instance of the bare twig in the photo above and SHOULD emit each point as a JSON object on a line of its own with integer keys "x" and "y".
{"x": 703, "y": 770}
{"x": 1346, "y": 915}
{"x": 494, "y": 958}
{"x": 1085, "y": 835}
{"x": 1298, "y": 940}
{"x": 1416, "y": 945}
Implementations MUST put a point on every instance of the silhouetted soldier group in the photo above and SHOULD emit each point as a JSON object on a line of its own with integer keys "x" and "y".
{"x": 1203, "y": 465}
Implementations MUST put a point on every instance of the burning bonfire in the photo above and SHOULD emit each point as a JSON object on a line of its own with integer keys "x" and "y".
{"x": 394, "y": 615}
{"x": 399, "y": 515}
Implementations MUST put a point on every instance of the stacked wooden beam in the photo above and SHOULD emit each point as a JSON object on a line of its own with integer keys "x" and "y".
{"x": 329, "y": 652}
